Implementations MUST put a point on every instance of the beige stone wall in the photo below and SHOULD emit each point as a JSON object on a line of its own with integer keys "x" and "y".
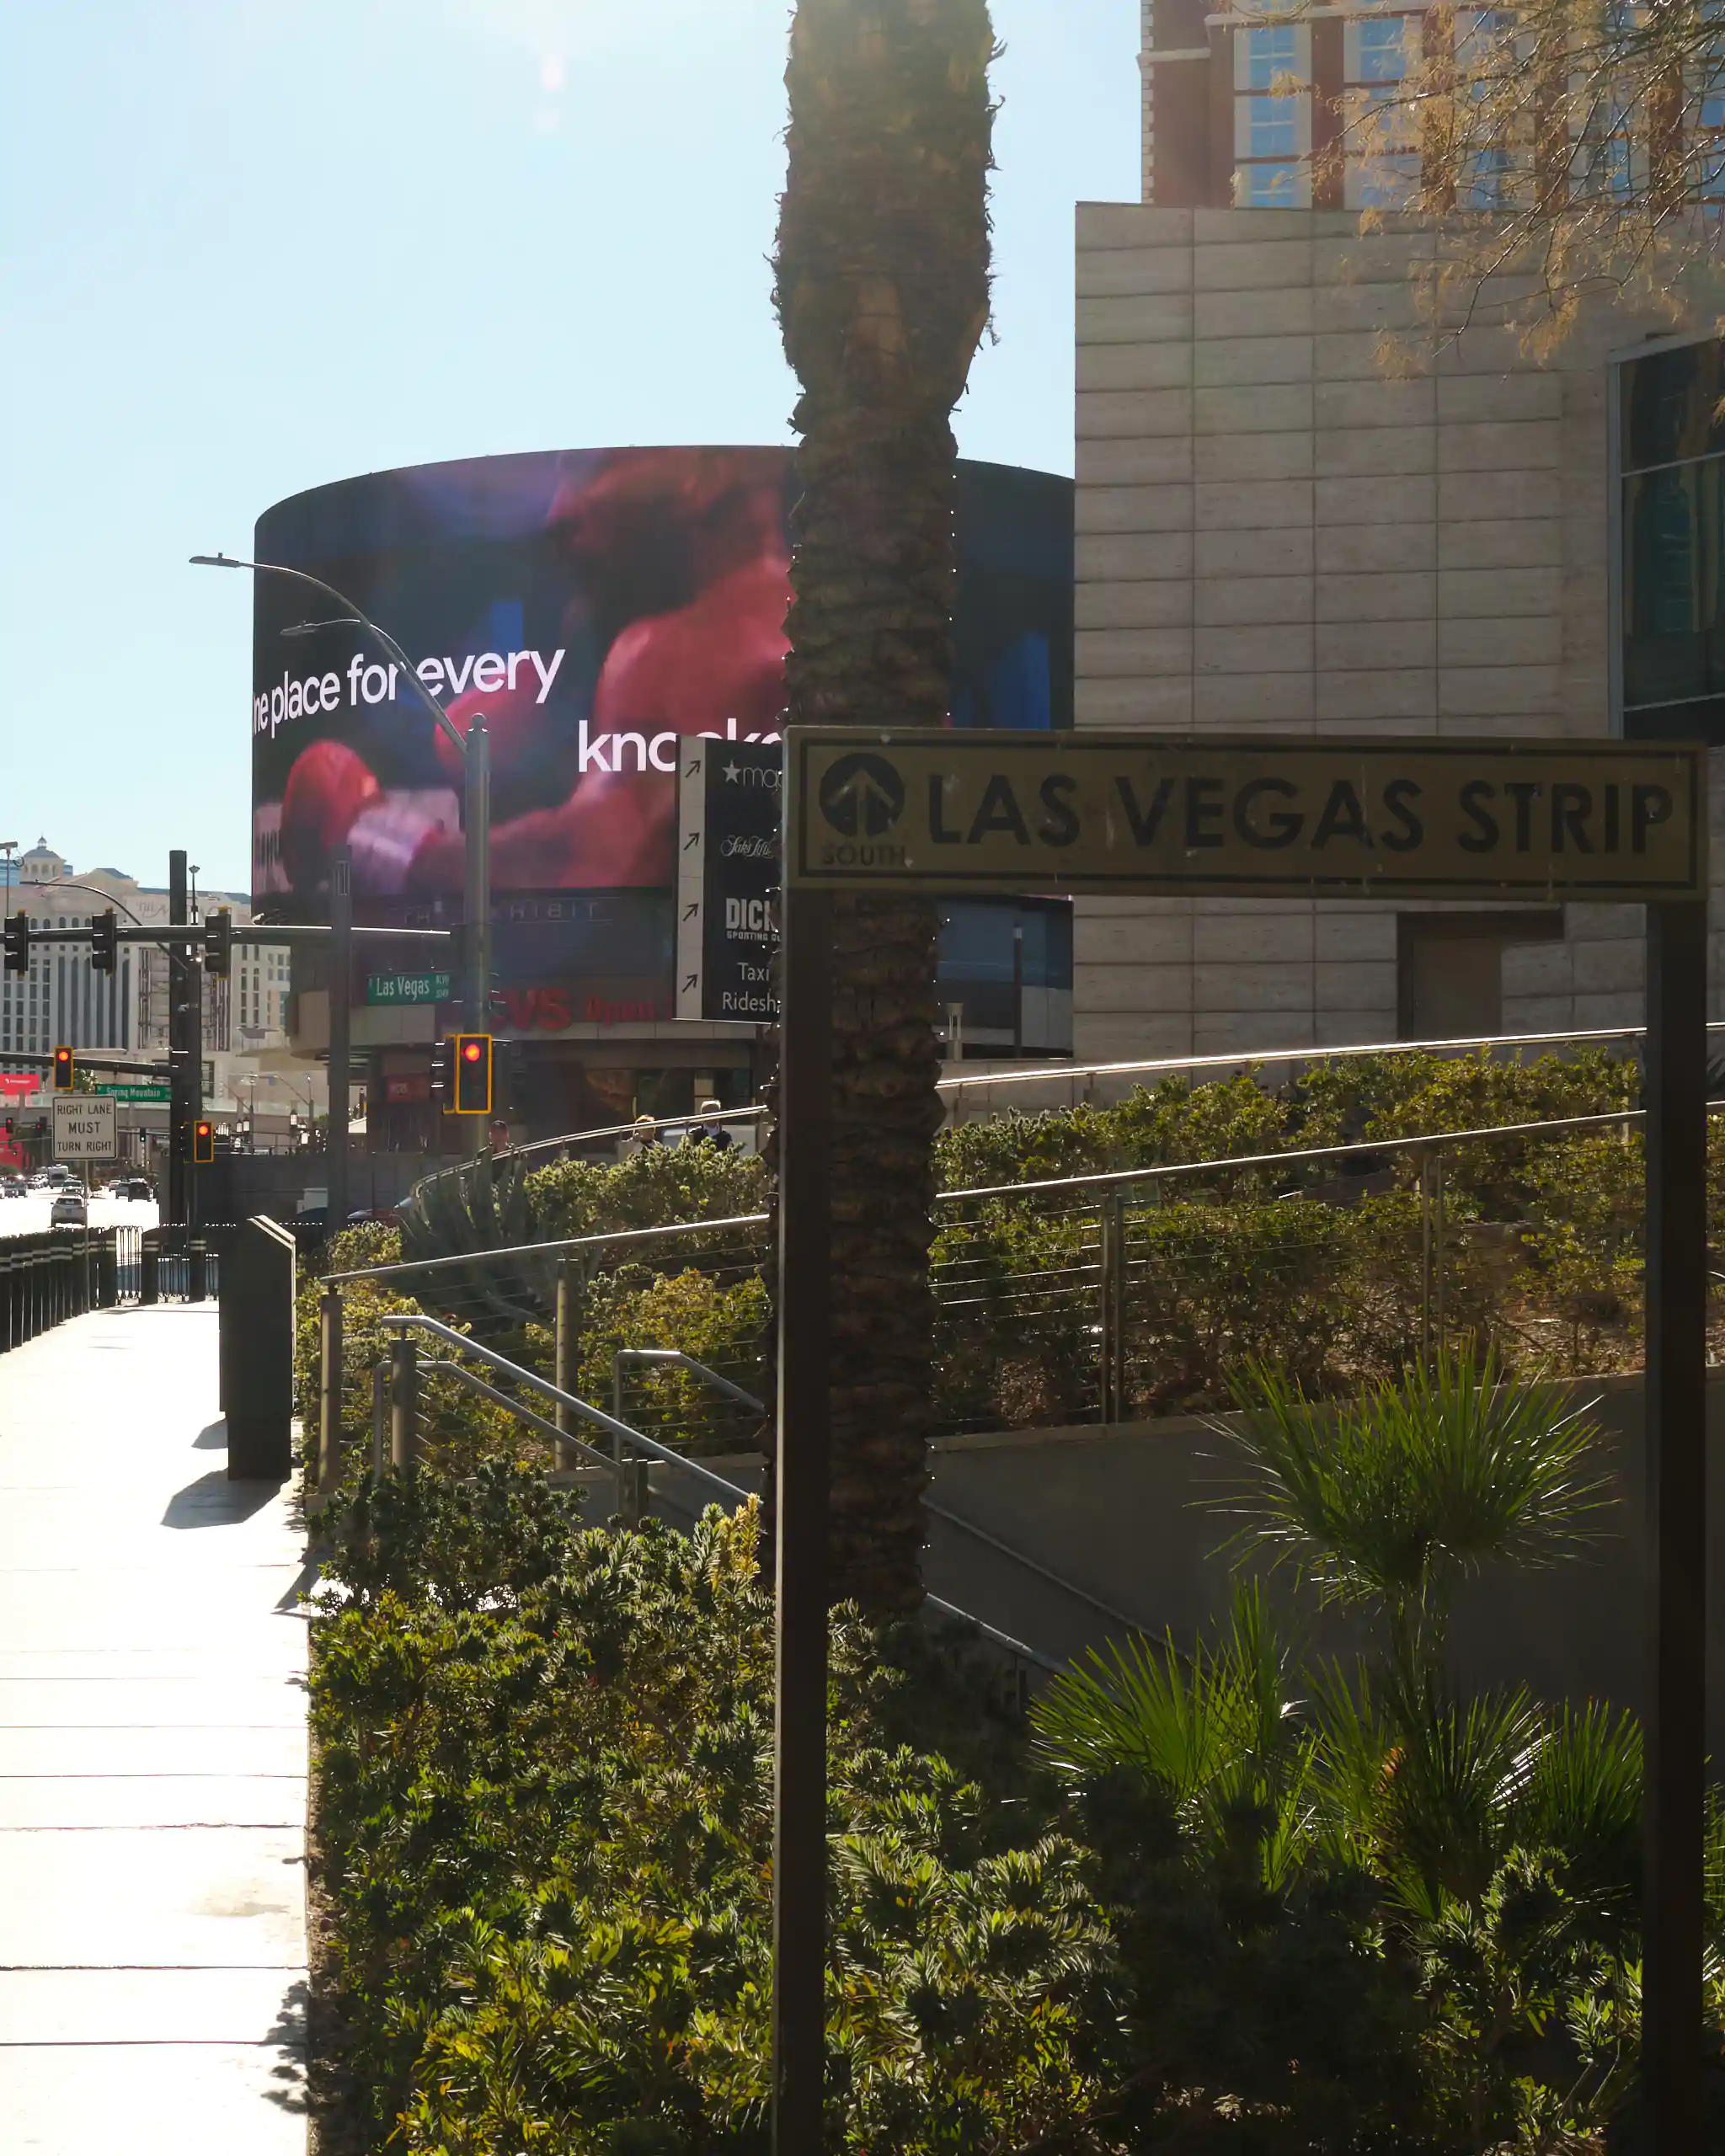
{"x": 1276, "y": 535}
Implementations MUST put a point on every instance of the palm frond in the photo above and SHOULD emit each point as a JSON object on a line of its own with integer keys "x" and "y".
{"x": 1390, "y": 1499}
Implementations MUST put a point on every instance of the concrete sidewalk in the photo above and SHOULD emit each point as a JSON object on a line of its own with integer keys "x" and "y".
{"x": 152, "y": 1757}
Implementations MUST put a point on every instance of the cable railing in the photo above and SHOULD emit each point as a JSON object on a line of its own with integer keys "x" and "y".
{"x": 395, "y": 1392}
{"x": 1081, "y": 1078}
{"x": 1107, "y": 1296}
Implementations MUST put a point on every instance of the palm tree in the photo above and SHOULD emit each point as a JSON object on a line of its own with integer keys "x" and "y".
{"x": 882, "y": 293}
{"x": 1390, "y": 1501}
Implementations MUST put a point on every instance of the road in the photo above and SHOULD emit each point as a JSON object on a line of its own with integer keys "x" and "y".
{"x": 29, "y": 1216}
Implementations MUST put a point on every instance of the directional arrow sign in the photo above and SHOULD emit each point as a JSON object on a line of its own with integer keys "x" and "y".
{"x": 727, "y": 807}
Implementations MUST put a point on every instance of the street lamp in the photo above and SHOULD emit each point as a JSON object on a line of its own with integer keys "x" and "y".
{"x": 475, "y": 749}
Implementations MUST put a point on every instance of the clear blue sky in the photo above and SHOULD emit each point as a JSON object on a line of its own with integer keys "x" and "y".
{"x": 247, "y": 246}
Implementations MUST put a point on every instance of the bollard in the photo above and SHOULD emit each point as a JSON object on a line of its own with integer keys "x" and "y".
{"x": 329, "y": 1381}
{"x": 196, "y": 1272}
{"x": 149, "y": 1269}
{"x": 403, "y": 1407}
{"x": 568, "y": 1352}
{"x": 380, "y": 1421}
{"x": 108, "y": 1271}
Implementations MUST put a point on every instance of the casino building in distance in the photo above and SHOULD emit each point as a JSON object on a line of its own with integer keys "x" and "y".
{"x": 1277, "y": 535}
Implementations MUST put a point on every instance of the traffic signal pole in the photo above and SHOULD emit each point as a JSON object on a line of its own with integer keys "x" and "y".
{"x": 180, "y": 1110}
{"x": 341, "y": 943}
{"x": 477, "y": 928}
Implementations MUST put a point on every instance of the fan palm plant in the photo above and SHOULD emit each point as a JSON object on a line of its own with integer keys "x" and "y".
{"x": 1217, "y": 1734}
{"x": 1388, "y": 1502}
{"x": 882, "y": 293}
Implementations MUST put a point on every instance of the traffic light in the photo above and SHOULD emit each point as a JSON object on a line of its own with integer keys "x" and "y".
{"x": 203, "y": 1142}
{"x": 443, "y": 1076}
{"x": 218, "y": 943}
{"x": 473, "y": 1074}
{"x": 17, "y": 943}
{"x": 104, "y": 941}
{"x": 65, "y": 1077}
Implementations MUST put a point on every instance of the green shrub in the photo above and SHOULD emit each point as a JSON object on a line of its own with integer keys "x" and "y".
{"x": 545, "y": 1799}
{"x": 657, "y": 1184}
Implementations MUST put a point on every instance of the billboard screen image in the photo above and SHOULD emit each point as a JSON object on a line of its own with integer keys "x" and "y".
{"x": 595, "y": 607}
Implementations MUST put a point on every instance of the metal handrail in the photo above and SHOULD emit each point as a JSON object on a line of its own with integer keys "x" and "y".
{"x": 617, "y": 1428}
{"x": 1062, "y": 1072}
{"x": 990, "y": 1632}
{"x": 675, "y": 1355}
{"x": 1116, "y": 1177}
{"x": 1051, "y": 1073}
{"x": 404, "y": 1322}
{"x": 544, "y": 1249}
{"x": 1112, "y": 1179}
{"x": 561, "y": 1437}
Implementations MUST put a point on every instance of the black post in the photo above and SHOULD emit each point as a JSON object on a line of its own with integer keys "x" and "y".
{"x": 1677, "y": 1515}
{"x": 335, "y": 1135}
{"x": 804, "y": 1312}
{"x": 179, "y": 1112}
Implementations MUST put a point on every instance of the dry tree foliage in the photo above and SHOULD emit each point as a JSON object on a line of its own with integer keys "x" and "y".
{"x": 1559, "y": 153}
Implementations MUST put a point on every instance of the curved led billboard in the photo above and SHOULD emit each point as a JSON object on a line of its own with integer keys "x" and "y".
{"x": 593, "y": 606}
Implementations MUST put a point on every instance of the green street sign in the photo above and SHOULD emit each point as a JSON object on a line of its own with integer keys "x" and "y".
{"x": 136, "y": 1093}
{"x": 408, "y": 988}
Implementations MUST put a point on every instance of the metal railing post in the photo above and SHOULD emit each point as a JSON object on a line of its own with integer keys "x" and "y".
{"x": 1439, "y": 1298}
{"x": 568, "y": 1351}
{"x": 1111, "y": 1226}
{"x": 403, "y": 1406}
{"x": 631, "y": 1473}
{"x": 380, "y": 1420}
{"x": 1427, "y": 1255}
{"x": 330, "y": 1374}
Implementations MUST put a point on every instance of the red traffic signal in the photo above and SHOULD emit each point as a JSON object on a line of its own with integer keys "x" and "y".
{"x": 473, "y": 1074}
{"x": 65, "y": 1076}
{"x": 203, "y": 1142}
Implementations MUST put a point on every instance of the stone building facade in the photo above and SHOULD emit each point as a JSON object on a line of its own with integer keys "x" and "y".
{"x": 1285, "y": 527}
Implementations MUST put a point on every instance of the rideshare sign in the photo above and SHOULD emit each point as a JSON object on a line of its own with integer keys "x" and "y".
{"x": 949, "y": 810}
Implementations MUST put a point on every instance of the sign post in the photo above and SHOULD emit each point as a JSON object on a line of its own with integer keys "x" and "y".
{"x": 1159, "y": 815}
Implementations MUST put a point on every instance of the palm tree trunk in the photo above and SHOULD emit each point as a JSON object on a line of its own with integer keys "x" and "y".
{"x": 883, "y": 281}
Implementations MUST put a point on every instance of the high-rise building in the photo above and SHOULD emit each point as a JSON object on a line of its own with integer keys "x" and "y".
{"x": 64, "y": 999}
{"x": 1278, "y": 532}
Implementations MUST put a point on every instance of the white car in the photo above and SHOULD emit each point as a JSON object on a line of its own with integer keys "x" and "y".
{"x": 69, "y": 1211}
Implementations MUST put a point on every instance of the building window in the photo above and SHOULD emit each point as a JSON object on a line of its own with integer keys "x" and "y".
{"x": 1270, "y": 127}
{"x": 1272, "y": 116}
{"x": 1382, "y": 168}
{"x": 1671, "y": 547}
{"x": 1267, "y": 186}
{"x": 1270, "y": 54}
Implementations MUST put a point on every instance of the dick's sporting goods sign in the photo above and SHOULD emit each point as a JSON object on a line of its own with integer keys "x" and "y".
{"x": 1095, "y": 812}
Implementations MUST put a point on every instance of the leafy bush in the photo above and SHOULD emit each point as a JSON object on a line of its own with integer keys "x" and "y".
{"x": 545, "y": 1799}
{"x": 724, "y": 1328}
{"x": 657, "y": 1184}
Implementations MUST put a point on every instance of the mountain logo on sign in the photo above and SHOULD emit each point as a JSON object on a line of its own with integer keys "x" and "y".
{"x": 862, "y": 797}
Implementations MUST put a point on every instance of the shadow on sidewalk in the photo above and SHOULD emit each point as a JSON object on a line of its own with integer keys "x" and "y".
{"x": 212, "y": 1501}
